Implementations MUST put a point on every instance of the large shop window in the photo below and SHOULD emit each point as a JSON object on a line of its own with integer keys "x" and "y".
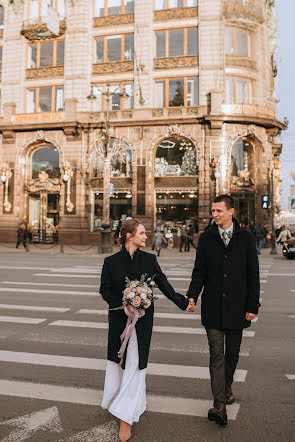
{"x": 114, "y": 48}
{"x": 117, "y": 101}
{"x": 120, "y": 208}
{"x": 170, "y": 43}
{"x": 120, "y": 163}
{"x": 45, "y": 159}
{"x": 173, "y": 208}
{"x": 103, "y": 8}
{"x": 43, "y": 54}
{"x": 39, "y": 8}
{"x": 45, "y": 99}
{"x": 242, "y": 164}
{"x": 1, "y": 17}
{"x": 239, "y": 90}
{"x": 238, "y": 41}
{"x": 175, "y": 156}
{"x": 177, "y": 92}
{"x": 169, "y": 4}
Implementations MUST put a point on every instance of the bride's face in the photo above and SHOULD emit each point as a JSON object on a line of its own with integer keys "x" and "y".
{"x": 139, "y": 238}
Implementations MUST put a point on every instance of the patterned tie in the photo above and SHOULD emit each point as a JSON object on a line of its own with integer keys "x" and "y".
{"x": 226, "y": 237}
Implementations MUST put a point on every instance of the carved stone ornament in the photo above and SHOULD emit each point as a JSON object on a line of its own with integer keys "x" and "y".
{"x": 16, "y": 4}
{"x": 245, "y": 14}
{"x": 237, "y": 60}
{"x": 176, "y": 62}
{"x": 119, "y": 19}
{"x": 51, "y": 71}
{"x": 251, "y": 130}
{"x": 40, "y": 31}
{"x": 175, "y": 13}
{"x": 43, "y": 183}
{"x": 174, "y": 129}
{"x": 114, "y": 66}
{"x": 39, "y": 136}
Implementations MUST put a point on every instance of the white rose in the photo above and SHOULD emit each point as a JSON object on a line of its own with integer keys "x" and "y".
{"x": 152, "y": 283}
{"x": 131, "y": 295}
{"x": 143, "y": 296}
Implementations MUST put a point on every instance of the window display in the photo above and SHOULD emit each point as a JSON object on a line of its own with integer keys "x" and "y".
{"x": 175, "y": 156}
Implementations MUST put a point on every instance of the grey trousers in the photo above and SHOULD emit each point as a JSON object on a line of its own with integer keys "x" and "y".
{"x": 224, "y": 355}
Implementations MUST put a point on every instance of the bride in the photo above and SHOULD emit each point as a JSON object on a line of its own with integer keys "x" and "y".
{"x": 125, "y": 389}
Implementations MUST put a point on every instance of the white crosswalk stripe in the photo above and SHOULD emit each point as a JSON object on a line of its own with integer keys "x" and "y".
{"x": 291, "y": 377}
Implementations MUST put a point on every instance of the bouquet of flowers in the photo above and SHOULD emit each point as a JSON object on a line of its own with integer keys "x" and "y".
{"x": 139, "y": 294}
{"x": 137, "y": 297}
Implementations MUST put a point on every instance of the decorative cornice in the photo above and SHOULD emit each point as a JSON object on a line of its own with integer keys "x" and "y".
{"x": 121, "y": 19}
{"x": 49, "y": 71}
{"x": 237, "y": 60}
{"x": 113, "y": 66}
{"x": 40, "y": 31}
{"x": 175, "y": 13}
{"x": 243, "y": 14}
{"x": 176, "y": 62}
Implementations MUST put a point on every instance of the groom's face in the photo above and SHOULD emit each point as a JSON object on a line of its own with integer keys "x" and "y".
{"x": 222, "y": 215}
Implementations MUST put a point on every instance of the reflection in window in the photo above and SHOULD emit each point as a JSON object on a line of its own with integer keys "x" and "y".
{"x": 171, "y": 43}
{"x": 120, "y": 163}
{"x": 120, "y": 208}
{"x": 114, "y": 48}
{"x": 239, "y": 90}
{"x": 241, "y": 163}
{"x": 46, "y": 54}
{"x": 39, "y": 8}
{"x": 175, "y": 156}
{"x": 117, "y": 102}
{"x": 238, "y": 41}
{"x": 113, "y": 7}
{"x": 169, "y": 4}
{"x": 46, "y": 159}
{"x": 49, "y": 53}
{"x": 170, "y": 92}
{"x": 45, "y": 99}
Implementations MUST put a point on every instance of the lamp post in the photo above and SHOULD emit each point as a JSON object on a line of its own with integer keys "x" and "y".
{"x": 5, "y": 177}
{"x": 109, "y": 147}
{"x": 273, "y": 235}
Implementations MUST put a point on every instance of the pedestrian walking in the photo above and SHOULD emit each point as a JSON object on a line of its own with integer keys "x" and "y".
{"x": 278, "y": 231}
{"x": 226, "y": 271}
{"x": 260, "y": 234}
{"x": 265, "y": 236}
{"x": 125, "y": 390}
{"x": 157, "y": 241}
{"x": 21, "y": 236}
{"x": 189, "y": 238}
{"x": 284, "y": 235}
{"x": 182, "y": 237}
{"x": 169, "y": 239}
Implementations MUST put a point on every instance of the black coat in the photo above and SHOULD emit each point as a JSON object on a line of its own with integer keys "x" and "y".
{"x": 114, "y": 271}
{"x": 229, "y": 276}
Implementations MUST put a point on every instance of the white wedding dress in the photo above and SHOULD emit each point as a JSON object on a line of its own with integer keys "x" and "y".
{"x": 124, "y": 390}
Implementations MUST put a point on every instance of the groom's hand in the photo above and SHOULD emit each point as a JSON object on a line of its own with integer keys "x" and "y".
{"x": 191, "y": 307}
{"x": 250, "y": 316}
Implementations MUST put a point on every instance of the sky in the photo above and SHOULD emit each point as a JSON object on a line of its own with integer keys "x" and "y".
{"x": 285, "y": 92}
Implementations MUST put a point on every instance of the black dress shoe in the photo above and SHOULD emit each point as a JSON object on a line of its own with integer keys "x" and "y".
{"x": 218, "y": 414}
{"x": 229, "y": 397}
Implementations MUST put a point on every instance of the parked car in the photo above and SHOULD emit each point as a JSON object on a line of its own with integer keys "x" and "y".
{"x": 289, "y": 248}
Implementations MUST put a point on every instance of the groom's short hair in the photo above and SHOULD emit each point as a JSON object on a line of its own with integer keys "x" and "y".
{"x": 227, "y": 199}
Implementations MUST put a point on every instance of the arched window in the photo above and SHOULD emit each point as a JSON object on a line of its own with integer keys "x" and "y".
{"x": 46, "y": 158}
{"x": 242, "y": 163}
{"x": 175, "y": 156}
{"x": 1, "y": 17}
{"x": 121, "y": 160}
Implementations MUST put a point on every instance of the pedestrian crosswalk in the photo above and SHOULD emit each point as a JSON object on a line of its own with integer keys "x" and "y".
{"x": 47, "y": 311}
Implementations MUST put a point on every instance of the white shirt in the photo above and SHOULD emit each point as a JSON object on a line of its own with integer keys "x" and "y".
{"x": 230, "y": 229}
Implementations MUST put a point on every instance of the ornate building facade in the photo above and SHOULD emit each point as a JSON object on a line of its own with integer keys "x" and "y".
{"x": 187, "y": 88}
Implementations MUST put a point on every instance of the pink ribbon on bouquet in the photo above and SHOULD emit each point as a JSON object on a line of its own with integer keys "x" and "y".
{"x": 133, "y": 316}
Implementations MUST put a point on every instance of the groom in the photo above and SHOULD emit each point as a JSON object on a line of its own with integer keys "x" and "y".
{"x": 227, "y": 270}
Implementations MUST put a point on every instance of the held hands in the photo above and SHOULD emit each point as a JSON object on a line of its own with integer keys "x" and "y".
{"x": 250, "y": 316}
{"x": 191, "y": 307}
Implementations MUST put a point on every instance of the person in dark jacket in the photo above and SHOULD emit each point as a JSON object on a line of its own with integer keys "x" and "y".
{"x": 227, "y": 270}
{"x": 190, "y": 238}
{"x": 124, "y": 391}
{"x": 21, "y": 236}
{"x": 259, "y": 233}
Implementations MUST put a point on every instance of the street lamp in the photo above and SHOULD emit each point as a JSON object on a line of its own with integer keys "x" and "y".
{"x": 109, "y": 147}
{"x": 5, "y": 177}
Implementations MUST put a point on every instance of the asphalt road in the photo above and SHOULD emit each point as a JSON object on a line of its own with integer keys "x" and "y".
{"x": 53, "y": 335}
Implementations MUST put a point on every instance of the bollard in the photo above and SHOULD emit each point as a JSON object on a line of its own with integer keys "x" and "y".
{"x": 61, "y": 246}
{"x": 27, "y": 245}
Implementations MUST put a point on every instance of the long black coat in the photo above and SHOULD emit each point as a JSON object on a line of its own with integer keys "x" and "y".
{"x": 229, "y": 276}
{"x": 114, "y": 271}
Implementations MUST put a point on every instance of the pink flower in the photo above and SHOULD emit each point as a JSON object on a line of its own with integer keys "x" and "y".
{"x": 147, "y": 303}
{"x": 149, "y": 292}
{"x": 138, "y": 290}
{"x": 126, "y": 291}
{"x": 136, "y": 301}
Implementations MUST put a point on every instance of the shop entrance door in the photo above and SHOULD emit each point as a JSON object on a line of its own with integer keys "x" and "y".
{"x": 43, "y": 217}
{"x": 245, "y": 210}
